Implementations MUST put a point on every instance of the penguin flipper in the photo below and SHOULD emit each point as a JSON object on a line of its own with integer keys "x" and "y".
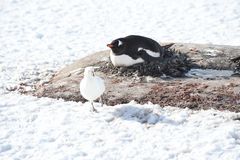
{"x": 145, "y": 56}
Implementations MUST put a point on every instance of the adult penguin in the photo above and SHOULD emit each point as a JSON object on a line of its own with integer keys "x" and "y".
{"x": 135, "y": 49}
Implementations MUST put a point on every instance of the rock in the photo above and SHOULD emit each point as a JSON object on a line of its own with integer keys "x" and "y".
{"x": 146, "y": 82}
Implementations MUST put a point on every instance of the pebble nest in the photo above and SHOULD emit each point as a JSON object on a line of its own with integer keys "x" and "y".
{"x": 174, "y": 64}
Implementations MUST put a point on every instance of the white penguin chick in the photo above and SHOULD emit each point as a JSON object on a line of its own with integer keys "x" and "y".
{"x": 91, "y": 86}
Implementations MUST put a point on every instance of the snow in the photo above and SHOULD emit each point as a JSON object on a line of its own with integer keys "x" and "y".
{"x": 37, "y": 38}
{"x": 53, "y": 129}
{"x": 212, "y": 52}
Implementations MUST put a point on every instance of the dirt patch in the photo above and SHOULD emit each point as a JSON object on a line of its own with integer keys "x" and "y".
{"x": 196, "y": 95}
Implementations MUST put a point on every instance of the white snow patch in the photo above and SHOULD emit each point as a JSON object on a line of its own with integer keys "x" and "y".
{"x": 212, "y": 52}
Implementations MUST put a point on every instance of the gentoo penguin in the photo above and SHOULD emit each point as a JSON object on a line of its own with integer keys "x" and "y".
{"x": 91, "y": 86}
{"x": 134, "y": 49}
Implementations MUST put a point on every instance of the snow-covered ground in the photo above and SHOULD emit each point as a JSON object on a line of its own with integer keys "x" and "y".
{"x": 39, "y": 37}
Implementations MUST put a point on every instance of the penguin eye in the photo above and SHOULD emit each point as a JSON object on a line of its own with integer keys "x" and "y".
{"x": 119, "y": 43}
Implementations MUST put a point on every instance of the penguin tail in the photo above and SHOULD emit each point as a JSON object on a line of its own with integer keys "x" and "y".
{"x": 167, "y": 46}
{"x": 164, "y": 50}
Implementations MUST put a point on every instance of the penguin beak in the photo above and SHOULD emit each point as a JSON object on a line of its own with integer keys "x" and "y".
{"x": 110, "y": 45}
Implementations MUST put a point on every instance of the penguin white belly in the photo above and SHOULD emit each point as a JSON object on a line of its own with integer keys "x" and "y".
{"x": 124, "y": 60}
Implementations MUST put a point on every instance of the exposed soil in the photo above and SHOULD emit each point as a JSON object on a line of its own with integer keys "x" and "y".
{"x": 195, "y": 95}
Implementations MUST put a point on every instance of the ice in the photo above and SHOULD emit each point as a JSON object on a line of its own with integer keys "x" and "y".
{"x": 209, "y": 73}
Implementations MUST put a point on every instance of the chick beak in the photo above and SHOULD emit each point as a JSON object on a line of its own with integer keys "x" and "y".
{"x": 110, "y": 45}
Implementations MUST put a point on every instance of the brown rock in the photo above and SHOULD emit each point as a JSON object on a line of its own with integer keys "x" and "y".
{"x": 195, "y": 93}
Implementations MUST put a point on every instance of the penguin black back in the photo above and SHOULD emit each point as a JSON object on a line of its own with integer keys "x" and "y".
{"x": 138, "y": 48}
{"x": 142, "y": 42}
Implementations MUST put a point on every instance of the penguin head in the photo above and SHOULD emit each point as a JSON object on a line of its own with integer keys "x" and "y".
{"x": 117, "y": 46}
